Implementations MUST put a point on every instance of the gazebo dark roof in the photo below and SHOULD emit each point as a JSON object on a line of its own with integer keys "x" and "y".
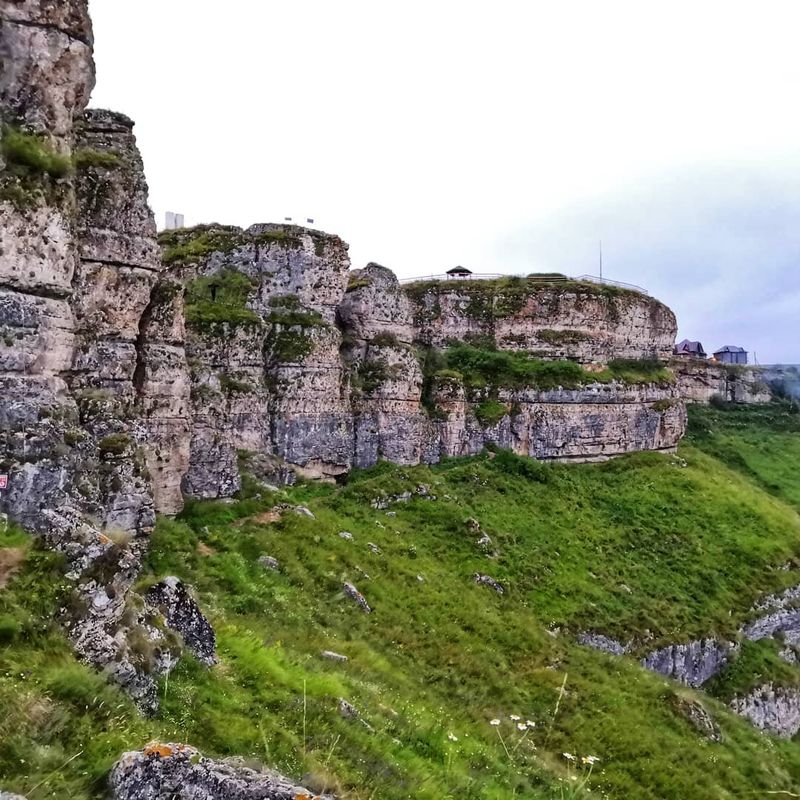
{"x": 730, "y": 348}
{"x": 688, "y": 346}
{"x": 459, "y": 271}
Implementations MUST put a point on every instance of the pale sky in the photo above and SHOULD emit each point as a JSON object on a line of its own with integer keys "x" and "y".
{"x": 506, "y": 136}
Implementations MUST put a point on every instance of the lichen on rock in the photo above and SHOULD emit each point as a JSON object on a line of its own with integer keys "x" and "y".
{"x": 180, "y": 772}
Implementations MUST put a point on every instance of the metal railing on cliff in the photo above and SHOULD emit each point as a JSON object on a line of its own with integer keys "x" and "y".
{"x": 543, "y": 278}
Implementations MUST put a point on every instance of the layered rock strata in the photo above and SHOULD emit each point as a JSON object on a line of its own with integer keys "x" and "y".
{"x": 78, "y": 265}
{"x": 294, "y": 357}
{"x": 585, "y": 322}
{"x": 701, "y": 381}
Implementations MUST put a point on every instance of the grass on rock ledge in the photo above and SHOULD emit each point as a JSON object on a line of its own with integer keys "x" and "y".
{"x": 484, "y": 365}
{"x": 670, "y": 547}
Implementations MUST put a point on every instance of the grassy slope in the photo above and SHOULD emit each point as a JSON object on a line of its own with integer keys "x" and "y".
{"x": 640, "y": 544}
{"x": 760, "y": 442}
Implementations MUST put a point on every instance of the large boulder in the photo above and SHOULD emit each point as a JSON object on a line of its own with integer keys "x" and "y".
{"x": 179, "y": 772}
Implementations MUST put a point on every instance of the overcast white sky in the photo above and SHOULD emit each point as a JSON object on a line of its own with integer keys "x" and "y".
{"x": 504, "y": 136}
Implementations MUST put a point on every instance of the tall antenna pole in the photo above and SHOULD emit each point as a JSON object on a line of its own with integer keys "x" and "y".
{"x": 601, "y": 259}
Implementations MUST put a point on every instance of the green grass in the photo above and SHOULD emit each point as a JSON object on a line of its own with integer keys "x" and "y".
{"x": 27, "y": 154}
{"x": 212, "y": 300}
{"x": 756, "y": 663}
{"x": 761, "y": 442}
{"x": 490, "y": 412}
{"x": 87, "y": 157}
{"x": 484, "y": 365}
{"x": 194, "y": 245}
{"x": 33, "y": 171}
{"x": 674, "y": 547}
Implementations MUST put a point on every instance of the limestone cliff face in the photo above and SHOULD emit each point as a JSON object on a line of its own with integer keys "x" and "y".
{"x": 586, "y": 322}
{"x": 266, "y": 374}
{"x": 78, "y": 263}
{"x": 389, "y": 420}
{"x": 700, "y": 381}
{"x": 592, "y": 423}
{"x": 292, "y": 357}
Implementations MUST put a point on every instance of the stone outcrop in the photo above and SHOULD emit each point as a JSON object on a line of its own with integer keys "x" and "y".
{"x": 180, "y": 772}
{"x": 772, "y": 709}
{"x": 692, "y": 663}
{"x": 605, "y": 644}
{"x": 294, "y": 358}
{"x": 171, "y": 598}
{"x": 585, "y": 322}
{"x": 697, "y": 715}
{"x": 782, "y": 617}
{"x": 701, "y": 381}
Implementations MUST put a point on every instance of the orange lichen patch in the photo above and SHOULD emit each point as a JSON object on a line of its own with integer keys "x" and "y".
{"x": 11, "y": 559}
{"x": 204, "y": 550}
{"x": 163, "y": 750}
{"x": 104, "y": 539}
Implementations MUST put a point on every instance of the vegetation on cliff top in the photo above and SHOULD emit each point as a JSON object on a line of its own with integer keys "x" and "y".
{"x": 192, "y": 245}
{"x": 670, "y": 547}
{"x": 504, "y": 297}
{"x": 480, "y": 365}
{"x": 195, "y": 245}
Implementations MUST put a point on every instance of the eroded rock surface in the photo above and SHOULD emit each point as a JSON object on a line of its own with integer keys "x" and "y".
{"x": 605, "y": 644}
{"x": 773, "y": 709}
{"x": 701, "y": 381}
{"x": 78, "y": 264}
{"x": 180, "y": 772}
{"x": 171, "y": 598}
{"x": 692, "y": 663}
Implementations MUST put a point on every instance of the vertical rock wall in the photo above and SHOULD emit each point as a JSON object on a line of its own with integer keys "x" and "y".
{"x": 287, "y": 361}
{"x": 78, "y": 264}
{"x": 389, "y": 421}
{"x": 263, "y": 345}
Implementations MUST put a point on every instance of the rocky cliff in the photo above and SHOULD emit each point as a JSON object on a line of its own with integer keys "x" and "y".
{"x": 292, "y": 355}
{"x": 701, "y": 381}
{"x": 134, "y": 372}
{"x": 78, "y": 265}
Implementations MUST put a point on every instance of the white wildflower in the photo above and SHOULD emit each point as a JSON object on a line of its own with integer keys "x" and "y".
{"x": 569, "y": 756}
{"x": 530, "y": 723}
{"x": 591, "y": 760}
{"x": 521, "y": 726}
{"x": 515, "y": 717}
{"x": 452, "y": 737}
{"x": 495, "y": 722}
